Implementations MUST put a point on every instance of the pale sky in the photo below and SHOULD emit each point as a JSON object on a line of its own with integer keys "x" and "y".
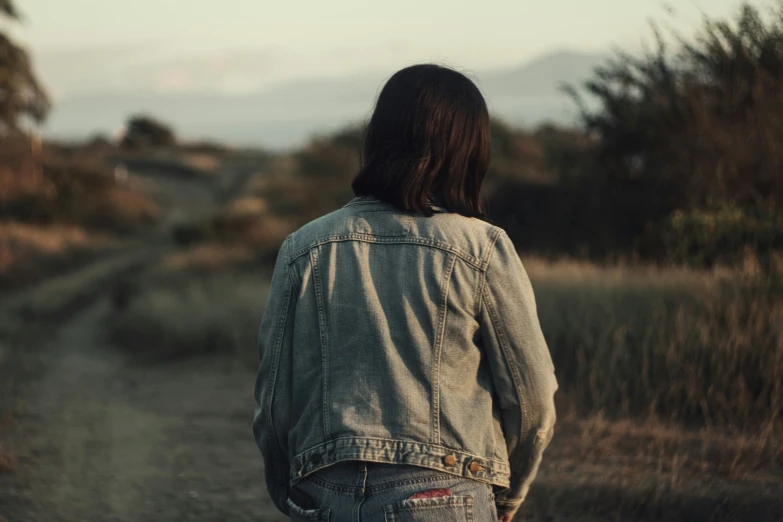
{"x": 321, "y": 60}
{"x": 471, "y": 33}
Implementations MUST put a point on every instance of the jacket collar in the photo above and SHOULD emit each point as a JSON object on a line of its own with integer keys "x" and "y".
{"x": 358, "y": 200}
{"x": 371, "y": 200}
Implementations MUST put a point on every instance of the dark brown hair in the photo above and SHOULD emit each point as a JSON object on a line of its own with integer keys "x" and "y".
{"x": 427, "y": 143}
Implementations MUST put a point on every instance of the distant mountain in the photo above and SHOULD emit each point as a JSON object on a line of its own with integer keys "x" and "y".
{"x": 542, "y": 76}
{"x": 287, "y": 114}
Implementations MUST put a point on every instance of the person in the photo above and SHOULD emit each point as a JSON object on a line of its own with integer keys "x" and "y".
{"x": 403, "y": 372}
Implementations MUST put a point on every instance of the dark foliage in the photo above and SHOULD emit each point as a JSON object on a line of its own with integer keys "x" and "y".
{"x": 680, "y": 161}
{"x": 21, "y": 94}
{"x": 145, "y": 132}
{"x": 707, "y": 120}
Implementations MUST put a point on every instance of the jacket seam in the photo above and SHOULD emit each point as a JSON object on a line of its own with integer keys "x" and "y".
{"x": 367, "y": 238}
{"x": 436, "y": 355}
{"x": 293, "y": 279}
{"x": 293, "y": 276}
{"x": 324, "y": 343}
{"x": 492, "y": 242}
{"x": 513, "y": 369}
{"x": 477, "y": 294}
{"x": 281, "y": 323}
{"x": 479, "y": 291}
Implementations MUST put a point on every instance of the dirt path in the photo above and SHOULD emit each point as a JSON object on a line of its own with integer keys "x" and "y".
{"x": 98, "y": 437}
{"x": 107, "y": 440}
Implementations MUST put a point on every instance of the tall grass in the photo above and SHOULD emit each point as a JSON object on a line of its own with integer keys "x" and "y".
{"x": 698, "y": 348}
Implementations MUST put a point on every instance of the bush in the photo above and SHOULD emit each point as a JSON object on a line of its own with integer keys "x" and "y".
{"x": 245, "y": 222}
{"x": 73, "y": 193}
{"x": 145, "y": 132}
{"x": 707, "y": 118}
{"x": 314, "y": 181}
{"x": 723, "y": 235}
{"x": 585, "y": 220}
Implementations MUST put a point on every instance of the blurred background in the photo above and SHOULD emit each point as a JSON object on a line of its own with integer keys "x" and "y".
{"x": 154, "y": 155}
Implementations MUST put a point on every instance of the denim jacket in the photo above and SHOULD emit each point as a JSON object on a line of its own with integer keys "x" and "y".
{"x": 394, "y": 337}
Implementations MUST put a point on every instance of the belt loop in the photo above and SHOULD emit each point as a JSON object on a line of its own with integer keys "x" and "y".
{"x": 364, "y": 471}
{"x": 361, "y": 483}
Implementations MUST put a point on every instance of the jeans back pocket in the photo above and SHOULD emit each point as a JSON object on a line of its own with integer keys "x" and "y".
{"x": 437, "y": 509}
{"x": 299, "y": 514}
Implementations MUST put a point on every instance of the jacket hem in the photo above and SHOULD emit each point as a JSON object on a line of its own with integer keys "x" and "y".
{"x": 390, "y": 451}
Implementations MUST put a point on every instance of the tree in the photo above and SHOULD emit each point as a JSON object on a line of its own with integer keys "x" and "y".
{"x": 144, "y": 131}
{"x": 7, "y": 8}
{"x": 21, "y": 94}
{"x": 704, "y": 120}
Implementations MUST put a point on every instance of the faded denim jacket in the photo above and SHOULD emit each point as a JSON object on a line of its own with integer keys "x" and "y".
{"x": 394, "y": 337}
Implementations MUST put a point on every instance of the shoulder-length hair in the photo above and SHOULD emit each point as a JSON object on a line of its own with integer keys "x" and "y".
{"x": 427, "y": 143}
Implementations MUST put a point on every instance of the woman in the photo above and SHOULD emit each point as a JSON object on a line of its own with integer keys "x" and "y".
{"x": 403, "y": 373}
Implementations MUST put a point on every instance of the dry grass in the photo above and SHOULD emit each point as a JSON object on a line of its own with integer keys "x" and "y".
{"x": 194, "y": 165}
{"x": 7, "y": 458}
{"x": 63, "y": 192}
{"x": 8, "y": 462}
{"x": 244, "y": 224}
{"x": 25, "y": 247}
{"x": 207, "y": 163}
{"x": 122, "y": 210}
{"x": 191, "y": 316}
{"x": 597, "y": 469}
{"x": 699, "y": 348}
{"x": 670, "y": 449}
{"x": 207, "y": 258}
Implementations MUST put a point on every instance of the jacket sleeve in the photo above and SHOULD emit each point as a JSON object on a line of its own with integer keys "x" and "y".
{"x": 521, "y": 367}
{"x": 270, "y": 422}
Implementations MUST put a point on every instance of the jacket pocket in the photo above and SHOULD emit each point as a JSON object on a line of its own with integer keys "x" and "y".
{"x": 437, "y": 509}
{"x": 299, "y": 514}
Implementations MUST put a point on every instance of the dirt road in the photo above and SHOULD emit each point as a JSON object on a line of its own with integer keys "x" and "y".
{"x": 98, "y": 437}
{"x": 107, "y": 440}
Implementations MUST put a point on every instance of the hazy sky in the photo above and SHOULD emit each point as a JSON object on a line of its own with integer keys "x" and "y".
{"x": 102, "y": 60}
{"x": 476, "y": 34}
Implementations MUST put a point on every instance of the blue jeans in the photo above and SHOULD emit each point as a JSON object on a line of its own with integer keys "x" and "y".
{"x": 369, "y": 492}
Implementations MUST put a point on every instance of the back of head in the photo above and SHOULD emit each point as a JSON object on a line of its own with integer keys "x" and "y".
{"x": 427, "y": 143}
